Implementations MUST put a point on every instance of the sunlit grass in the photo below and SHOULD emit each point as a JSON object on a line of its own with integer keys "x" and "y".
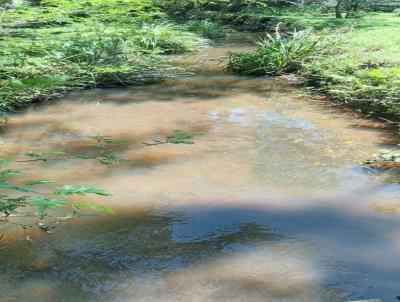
{"x": 63, "y": 45}
{"x": 364, "y": 72}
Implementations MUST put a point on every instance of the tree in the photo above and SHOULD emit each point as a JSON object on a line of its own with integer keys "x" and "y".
{"x": 338, "y": 9}
{"x": 349, "y": 6}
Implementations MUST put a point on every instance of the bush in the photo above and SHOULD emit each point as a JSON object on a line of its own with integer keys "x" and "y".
{"x": 166, "y": 38}
{"x": 206, "y": 28}
{"x": 396, "y": 12}
{"x": 278, "y": 54}
{"x": 64, "y": 45}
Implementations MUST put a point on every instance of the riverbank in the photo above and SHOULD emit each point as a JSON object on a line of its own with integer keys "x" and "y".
{"x": 364, "y": 70}
{"x": 264, "y": 161}
{"x": 353, "y": 61}
{"x": 61, "y": 46}
{"x": 54, "y": 48}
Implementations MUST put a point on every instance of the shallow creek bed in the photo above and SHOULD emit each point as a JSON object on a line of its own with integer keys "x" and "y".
{"x": 269, "y": 203}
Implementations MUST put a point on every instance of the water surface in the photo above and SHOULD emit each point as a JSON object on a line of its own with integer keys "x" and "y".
{"x": 271, "y": 203}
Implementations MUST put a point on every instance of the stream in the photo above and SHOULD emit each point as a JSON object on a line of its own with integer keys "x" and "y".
{"x": 270, "y": 202}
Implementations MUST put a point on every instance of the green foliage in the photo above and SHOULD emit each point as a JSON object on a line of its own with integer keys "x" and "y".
{"x": 9, "y": 205}
{"x": 180, "y": 137}
{"x": 166, "y": 38}
{"x": 70, "y": 190}
{"x": 44, "y": 203}
{"x": 64, "y": 45}
{"x": 6, "y": 174}
{"x": 83, "y": 205}
{"x": 278, "y": 54}
{"x": 38, "y": 182}
{"x": 363, "y": 71}
{"x": 207, "y": 28}
{"x": 17, "y": 188}
{"x": 4, "y": 161}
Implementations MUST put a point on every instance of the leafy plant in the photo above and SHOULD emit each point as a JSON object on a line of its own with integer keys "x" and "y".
{"x": 61, "y": 45}
{"x": 9, "y": 205}
{"x": 38, "y": 182}
{"x": 207, "y": 28}
{"x": 6, "y": 174}
{"x": 70, "y": 190}
{"x": 166, "y": 38}
{"x": 278, "y": 54}
{"x": 43, "y": 203}
{"x": 180, "y": 137}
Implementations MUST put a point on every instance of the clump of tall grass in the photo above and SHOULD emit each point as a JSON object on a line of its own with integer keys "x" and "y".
{"x": 93, "y": 56}
{"x": 277, "y": 54}
{"x": 166, "y": 38}
{"x": 64, "y": 45}
{"x": 207, "y": 29}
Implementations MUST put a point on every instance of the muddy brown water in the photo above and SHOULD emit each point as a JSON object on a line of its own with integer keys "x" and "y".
{"x": 269, "y": 204}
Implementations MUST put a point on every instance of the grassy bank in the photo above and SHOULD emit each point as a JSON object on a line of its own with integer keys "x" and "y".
{"x": 364, "y": 70}
{"x": 62, "y": 45}
{"x": 359, "y": 68}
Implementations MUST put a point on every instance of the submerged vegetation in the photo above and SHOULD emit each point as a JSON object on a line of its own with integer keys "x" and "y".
{"x": 46, "y": 205}
{"x": 36, "y": 203}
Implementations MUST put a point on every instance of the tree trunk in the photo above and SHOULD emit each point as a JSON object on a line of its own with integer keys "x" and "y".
{"x": 337, "y": 9}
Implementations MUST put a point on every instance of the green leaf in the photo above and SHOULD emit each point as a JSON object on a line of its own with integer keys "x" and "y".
{"x": 43, "y": 203}
{"x": 84, "y": 205}
{"x": 5, "y": 175}
{"x": 56, "y": 153}
{"x": 38, "y": 182}
{"x": 21, "y": 189}
{"x": 4, "y": 161}
{"x": 11, "y": 204}
{"x": 10, "y": 172}
{"x": 70, "y": 190}
{"x": 180, "y": 137}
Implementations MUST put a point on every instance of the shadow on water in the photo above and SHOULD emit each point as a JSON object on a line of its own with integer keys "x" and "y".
{"x": 269, "y": 204}
{"x": 207, "y": 254}
{"x": 190, "y": 89}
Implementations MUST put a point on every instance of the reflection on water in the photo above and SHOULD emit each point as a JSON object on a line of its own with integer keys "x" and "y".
{"x": 166, "y": 256}
{"x": 269, "y": 204}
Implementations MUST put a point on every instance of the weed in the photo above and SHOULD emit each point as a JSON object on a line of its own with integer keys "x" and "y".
{"x": 278, "y": 54}
{"x": 53, "y": 48}
{"x": 207, "y": 28}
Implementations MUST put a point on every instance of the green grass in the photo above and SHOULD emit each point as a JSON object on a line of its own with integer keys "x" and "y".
{"x": 64, "y": 45}
{"x": 277, "y": 54}
{"x": 207, "y": 29}
{"x": 364, "y": 71}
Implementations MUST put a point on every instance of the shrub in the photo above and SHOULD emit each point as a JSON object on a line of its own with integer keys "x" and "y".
{"x": 278, "y": 54}
{"x": 166, "y": 38}
{"x": 206, "y": 28}
{"x": 64, "y": 45}
{"x": 396, "y": 12}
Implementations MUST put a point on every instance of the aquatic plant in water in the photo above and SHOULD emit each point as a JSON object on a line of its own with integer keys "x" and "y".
{"x": 35, "y": 203}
